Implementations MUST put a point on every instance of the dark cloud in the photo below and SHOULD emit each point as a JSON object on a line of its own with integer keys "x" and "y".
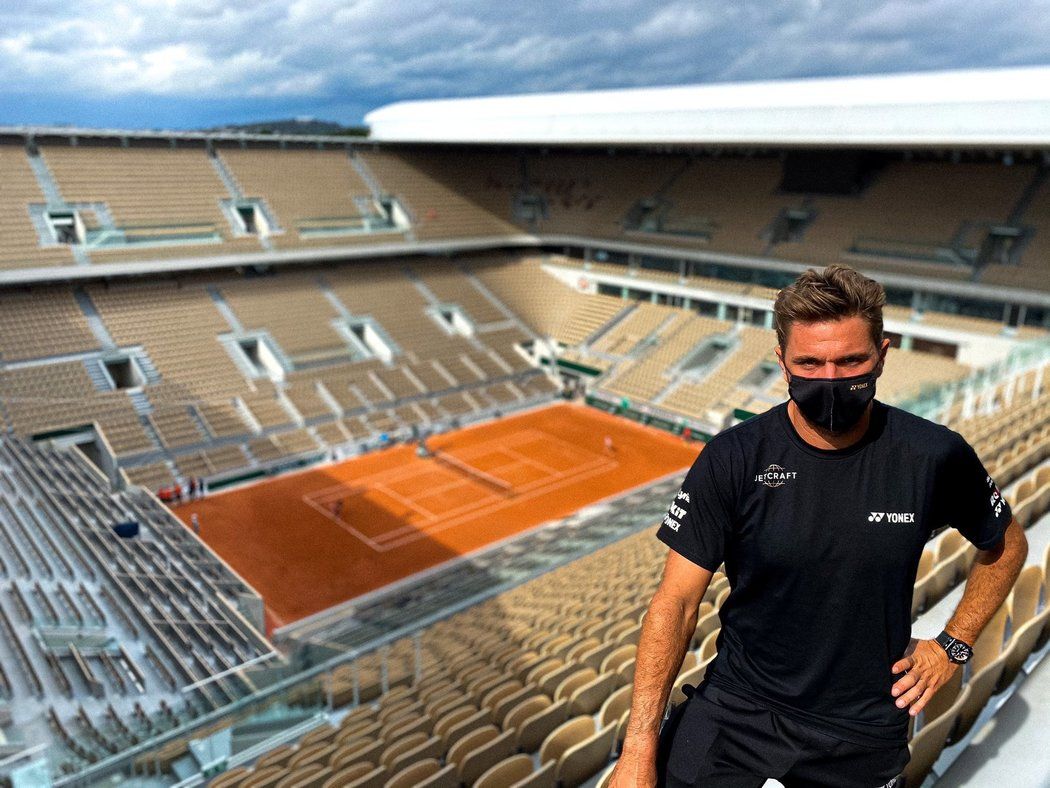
{"x": 199, "y": 56}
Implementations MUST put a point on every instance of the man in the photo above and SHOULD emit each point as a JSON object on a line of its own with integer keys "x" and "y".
{"x": 820, "y": 509}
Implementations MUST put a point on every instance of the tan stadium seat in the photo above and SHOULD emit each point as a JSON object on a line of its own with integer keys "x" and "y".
{"x": 506, "y": 773}
{"x": 534, "y": 730}
{"x": 465, "y": 726}
{"x": 692, "y": 677}
{"x": 524, "y": 709}
{"x": 278, "y": 756}
{"x": 348, "y": 775}
{"x": 950, "y": 542}
{"x": 1020, "y": 646}
{"x": 512, "y": 701}
{"x": 926, "y": 562}
{"x": 399, "y": 746}
{"x": 428, "y": 773}
{"x": 573, "y": 681}
{"x": 551, "y": 681}
{"x": 264, "y": 777}
{"x": 582, "y": 761}
{"x": 616, "y": 658}
{"x": 606, "y": 776}
{"x": 625, "y": 673}
{"x": 704, "y": 627}
{"x": 926, "y": 746}
{"x": 1024, "y": 597}
{"x": 357, "y": 751}
{"x": 617, "y": 709}
{"x": 231, "y": 778}
{"x": 588, "y": 698}
{"x": 430, "y": 748}
{"x": 406, "y": 726}
{"x": 1045, "y": 635}
{"x": 494, "y": 695}
{"x": 708, "y": 647}
{"x": 476, "y": 761}
{"x": 595, "y": 656}
{"x": 981, "y": 686}
{"x": 989, "y": 644}
{"x": 944, "y": 698}
{"x": 312, "y": 776}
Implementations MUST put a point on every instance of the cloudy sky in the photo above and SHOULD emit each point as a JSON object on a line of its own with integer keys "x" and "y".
{"x": 192, "y": 63}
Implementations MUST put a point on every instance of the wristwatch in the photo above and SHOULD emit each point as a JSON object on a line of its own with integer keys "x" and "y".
{"x": 957, "y": 651}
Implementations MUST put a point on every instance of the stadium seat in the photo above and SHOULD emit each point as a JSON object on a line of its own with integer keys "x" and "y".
{"x": 981, "y": 686}
{"x": 708, "y": 647}
{"x": 428, "y": 772}
{"x": 615, "y": 710}
{"x": 589, "y": 697}
{"x": 1022, "y": 641}
{"x": 989, "y": 644}
{"x": 508, "y": 772}
{"x": 477, "y": 758}
{"x": 705, "y": 625}
{"x": 579, "y": 749}
{"x": 1023, "y": 600}
{"x": 534, "y": 729}
{"x": 927, "y": 744}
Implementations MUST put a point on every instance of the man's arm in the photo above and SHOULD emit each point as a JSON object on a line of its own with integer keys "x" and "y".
{"x": 991, "y": 577}
{"x": 666, "y": 632}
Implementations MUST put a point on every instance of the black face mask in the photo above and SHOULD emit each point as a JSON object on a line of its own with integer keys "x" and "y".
{"x": 835, "y": 404}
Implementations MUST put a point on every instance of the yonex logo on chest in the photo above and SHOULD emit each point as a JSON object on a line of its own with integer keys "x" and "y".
{"x": 892, "y": 517}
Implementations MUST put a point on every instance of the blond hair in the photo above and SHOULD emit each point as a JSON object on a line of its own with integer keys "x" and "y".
{"x": 832, "y": 294}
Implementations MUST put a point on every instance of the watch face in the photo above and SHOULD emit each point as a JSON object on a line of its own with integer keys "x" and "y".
{"x": 959, "y": 652}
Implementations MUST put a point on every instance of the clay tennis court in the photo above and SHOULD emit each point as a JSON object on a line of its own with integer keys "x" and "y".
{"x": 310, "y": 540}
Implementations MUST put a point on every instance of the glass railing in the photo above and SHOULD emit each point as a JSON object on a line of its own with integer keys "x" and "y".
{"x": 932, "y": 400}
{"x": 924, "y": 251}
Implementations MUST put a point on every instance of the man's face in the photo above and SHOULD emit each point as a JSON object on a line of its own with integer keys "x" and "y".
{"x": 831, "y": 349}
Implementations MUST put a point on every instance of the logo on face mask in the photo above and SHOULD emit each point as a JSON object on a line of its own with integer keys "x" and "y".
{"x": 775, "y": 476}
{"x": 834, "y": 404}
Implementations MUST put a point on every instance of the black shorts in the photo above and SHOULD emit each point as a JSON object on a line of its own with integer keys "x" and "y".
{"x": 719, "y": 739}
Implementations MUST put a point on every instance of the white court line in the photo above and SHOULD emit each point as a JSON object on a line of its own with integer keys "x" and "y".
{"x": 532, "y": 494}
{"x": 532, "y": 462}
{"x": 405, "y": 501}
{"x": 344, "y": 525}
{"x": 524, "y": 492}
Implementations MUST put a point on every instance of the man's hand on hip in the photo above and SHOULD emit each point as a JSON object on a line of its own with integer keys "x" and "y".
{"x": 927, "y": 668}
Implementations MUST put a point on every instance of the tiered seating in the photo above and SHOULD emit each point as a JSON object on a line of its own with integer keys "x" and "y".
{"x": 645, "y": 377}
{"x": 292, "y": 308}
{"x": 590, "y": 193}
{"x": 21, "y": 247}
{"x": 562, "y": 313}
{"x": 447, "y": 282}
{"x": 697, "y": 399}
{"x": 43, "y": 323}
{"x": 49, "y": 397}
{"x": 177, "y": 323}
{"x": 106, "y": 632}
{"x": 424, "y": 185}
{"x": 1034, "y": 268}
{"x": 305, "y": 188}
{"x": 627, "y": 335}
{"x": 155, "y": 193}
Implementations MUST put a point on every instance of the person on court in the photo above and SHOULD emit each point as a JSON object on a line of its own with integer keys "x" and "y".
{"x": 820, "y": 509}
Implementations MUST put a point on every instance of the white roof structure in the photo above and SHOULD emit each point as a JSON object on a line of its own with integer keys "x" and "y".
{"x": 987, "y": 107}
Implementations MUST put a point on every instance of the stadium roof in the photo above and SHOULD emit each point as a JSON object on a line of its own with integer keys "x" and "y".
{"x": 988, "y": 107}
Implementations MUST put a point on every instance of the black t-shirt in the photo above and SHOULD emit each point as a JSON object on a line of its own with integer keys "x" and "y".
{"x": 821, "y": 548}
